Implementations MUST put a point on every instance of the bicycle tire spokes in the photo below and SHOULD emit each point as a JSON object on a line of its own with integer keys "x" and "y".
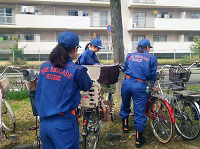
{"x": 91, "y": 129}
{"x": 187, "y": 118}
{"x": 161, "y": 123}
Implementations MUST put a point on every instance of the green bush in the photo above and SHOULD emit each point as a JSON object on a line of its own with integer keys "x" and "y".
{"x": 18, "y": 58}
{"x": 185, "y": 59}
{"x": 17, "y": 95}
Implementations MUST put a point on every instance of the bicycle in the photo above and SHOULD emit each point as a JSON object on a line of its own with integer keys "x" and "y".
{"x": 160, "y": 113}
{"x": 8, "y": 116}
{"x": 186, "y": 109}
{"x": 97, "y": 110}
{"x": 31, "y": 77}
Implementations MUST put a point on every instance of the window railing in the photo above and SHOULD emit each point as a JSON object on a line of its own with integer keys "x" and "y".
{"x": 142, "y": 22}
{"x": 144, "y": 1}
{"x": 99, "y": 22}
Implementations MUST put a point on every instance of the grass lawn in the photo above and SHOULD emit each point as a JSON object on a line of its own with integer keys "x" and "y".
{"x": 25, "y": 120}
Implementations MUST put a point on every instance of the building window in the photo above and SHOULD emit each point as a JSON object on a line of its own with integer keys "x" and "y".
{"x": 165, "y": 15}
{"x": 27, "y": 37}
{"x": 159, "y": 38}
{"x": 191, "y": 38}
{"x": 34, "y": 10}
{"x": 77, "y": 13}
{"x": 135, "y": 40}
{"x": 99, "y": 19}
{"x": 193, "y": 16}
{"x": 4, "y": 37}
{"x": 6, "y": 16}
{"x": 72, "y": 13}
{"x": 139, "y": 19}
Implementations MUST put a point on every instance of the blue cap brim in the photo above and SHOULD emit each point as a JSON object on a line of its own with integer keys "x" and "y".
{"x": 79, "y": 46}
{"x": 100, "y": 47}
{"x": 150, "y": 46}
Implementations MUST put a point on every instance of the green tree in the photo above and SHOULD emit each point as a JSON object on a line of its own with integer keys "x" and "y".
{"x": 195, "y": 47}
{"x": 17, "y": 54}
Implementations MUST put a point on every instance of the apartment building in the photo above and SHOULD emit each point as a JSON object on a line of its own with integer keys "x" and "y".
{"x": 38, "y": 23}
{"x": 171, "y": 25}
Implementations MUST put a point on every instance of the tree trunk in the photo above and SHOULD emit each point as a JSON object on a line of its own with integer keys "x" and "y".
{"x": 117, "y": 36}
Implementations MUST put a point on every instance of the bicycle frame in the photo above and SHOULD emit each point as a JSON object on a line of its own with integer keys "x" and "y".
{"x": 12, "y": 67}
{"x": 151, "y": 101}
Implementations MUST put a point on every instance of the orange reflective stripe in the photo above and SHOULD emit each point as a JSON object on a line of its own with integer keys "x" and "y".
{"x": 139, "y": 80}
{"x": 125, "y": 128}
{"x": 128, "y": 77}
{"x": 137, "y": 142}
{"x": 73, "y": 112}
{"x": 137, "y": 134}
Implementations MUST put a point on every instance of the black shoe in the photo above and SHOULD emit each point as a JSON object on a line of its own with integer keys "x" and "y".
{"x": 140, "y": 140}
{"x": 125, "y": 126}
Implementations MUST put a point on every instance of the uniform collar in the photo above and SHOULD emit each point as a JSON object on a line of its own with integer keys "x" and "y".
{"x": 90, "y": 52}
{"x": 70, "y": 59}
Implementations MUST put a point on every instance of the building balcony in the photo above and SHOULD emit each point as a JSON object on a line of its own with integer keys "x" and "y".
{"x": 165, "y": 3}
{"x": 47, "y": 47}
{"x": 166, "y": 47}
{"x": 102, "y": 3}
{"x": 54, "y": 22}
{"x": 163, "y": 24}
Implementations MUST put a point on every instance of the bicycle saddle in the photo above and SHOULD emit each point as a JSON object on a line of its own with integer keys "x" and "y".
{"x": 30, "y": 74}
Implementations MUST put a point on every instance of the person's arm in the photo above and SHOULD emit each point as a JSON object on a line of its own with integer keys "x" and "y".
{"x": 153, "y": 70}
{"x": 81, "y": 60}
{"x": 126, "y": 64}
{"x": 82, "y": 79}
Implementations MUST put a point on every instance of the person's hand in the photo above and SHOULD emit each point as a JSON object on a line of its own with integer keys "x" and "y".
{"x": 155, "y": 89}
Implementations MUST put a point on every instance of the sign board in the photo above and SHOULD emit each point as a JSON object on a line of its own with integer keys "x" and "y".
{"x": 109, "y": 29}
{"x": 155, "y": 11}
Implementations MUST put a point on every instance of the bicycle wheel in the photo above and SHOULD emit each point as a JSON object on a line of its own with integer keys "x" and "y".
{"x": 109, "y": 98}
{"x": 161, "y": 121}
{"x": 8, "y": 117}
{"x": 91, "y": 131}
{"x": 186, "y": 118}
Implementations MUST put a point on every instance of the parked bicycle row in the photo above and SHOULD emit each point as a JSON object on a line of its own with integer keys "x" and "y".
{"x": 164, "y": 107}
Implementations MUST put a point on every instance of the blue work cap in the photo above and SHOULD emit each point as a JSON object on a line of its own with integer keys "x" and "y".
{"x": 69, "y": 39}
{"x": 144, "y": 42}
{"x": 96, "y": 42}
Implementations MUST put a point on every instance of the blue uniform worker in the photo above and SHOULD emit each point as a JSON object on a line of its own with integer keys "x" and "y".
{"x": 139, "y": 67}
{"x": 88, "y": 57}
{"x": 58, "y": 94}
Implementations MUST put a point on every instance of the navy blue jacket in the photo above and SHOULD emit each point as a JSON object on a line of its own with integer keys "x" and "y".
{"x": 58, "y": 89}
{"x": 88, "y": 58}
{"x": 141, "y": 65}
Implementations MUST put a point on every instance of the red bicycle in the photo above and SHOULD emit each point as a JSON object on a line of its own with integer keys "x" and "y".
{"x": 161, "y": 117}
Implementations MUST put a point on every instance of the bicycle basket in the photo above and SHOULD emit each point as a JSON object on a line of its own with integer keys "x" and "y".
{"x": 32, "y": 85}
{"x": 90, "y": 99}
{"x": 109, "y": 74}
{"x": 176, "y": 74}
{"x": 4, "y": 84}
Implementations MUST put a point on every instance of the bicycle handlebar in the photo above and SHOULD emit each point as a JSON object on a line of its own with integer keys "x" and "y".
{"x": 12, "y": 67}
{"x": 187, "y": 69}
